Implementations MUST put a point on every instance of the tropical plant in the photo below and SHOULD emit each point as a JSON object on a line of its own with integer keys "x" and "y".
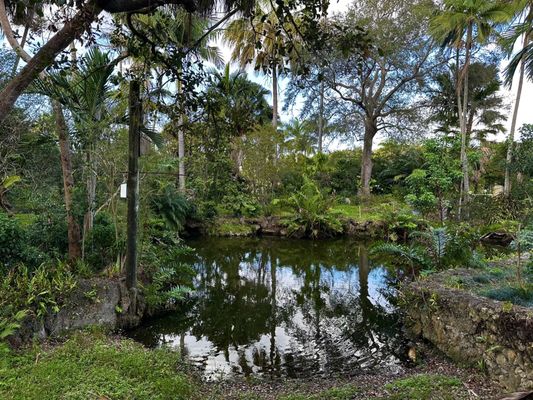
{"x": 433, "y": 249}
{"x": 40, "y": 292}
{"x": 465, "y": 23}
{"x": 8, "y": 326}
{"x": 170, "y": 205}
{"x": 313, "y": 216}
{"x": 263, "y": 41}
{"x": 87, "y": 93}
{"x": 522, "y": 60}
{"x": 410, "y": 255}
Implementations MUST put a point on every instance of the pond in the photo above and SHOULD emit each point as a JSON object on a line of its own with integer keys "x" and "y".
{"x": 276, "y": 307}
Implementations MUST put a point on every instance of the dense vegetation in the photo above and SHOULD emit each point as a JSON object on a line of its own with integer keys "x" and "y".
{"x": 389, "y": 111}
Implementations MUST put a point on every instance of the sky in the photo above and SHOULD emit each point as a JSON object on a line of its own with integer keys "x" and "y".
{"x": 525, "y": 116}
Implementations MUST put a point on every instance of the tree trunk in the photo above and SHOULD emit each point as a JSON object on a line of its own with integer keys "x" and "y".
{"x": 510, "y": 140}
{"x": 90, "y": 181}
{"x": 181, "y": 148}
{"x": 135, "y": 111}
{"x": 46, "y": 55}
{"x": 463, "y": 119}
{"x": 73, "y": 228}
{"x": 321, "y": 117}
{"x": 275, "y": 97}
{"x": 366, "y": 161}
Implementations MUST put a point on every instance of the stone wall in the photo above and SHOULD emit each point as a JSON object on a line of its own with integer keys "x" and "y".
{"x": 473, "y": 330}
{"x": 106, "y": 303}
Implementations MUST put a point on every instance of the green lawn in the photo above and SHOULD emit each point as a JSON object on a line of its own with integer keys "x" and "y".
{"x": 92, "y": 366}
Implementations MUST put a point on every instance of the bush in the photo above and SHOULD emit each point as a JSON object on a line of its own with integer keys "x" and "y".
{"x": 101, "y": 245}
{"x": 49, "y": 234}
{"x": 40, "y": 292}
{"x": 171, "y": 206}
{"x": 166, "y": 276}
{"x": 15, "y": 246}
{"x": 312, "y": 213}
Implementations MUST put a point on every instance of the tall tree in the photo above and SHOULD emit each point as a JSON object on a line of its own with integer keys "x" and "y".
{"x": 176, "y": 31}
{"x": 524, "y": 58}
{"x": 262, "y": 41}
{"x": 73, "y": 229}
{"x": 86, "y": 92}
{"x": 465, "y": 23}
{"x": 384, "y": 85}
{"x": 84, "y": 13}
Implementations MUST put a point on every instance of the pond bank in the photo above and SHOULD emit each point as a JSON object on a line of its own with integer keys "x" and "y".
{"x": 276, "y": 226}
{"x": 92, "y": 365}
{"x": 494, "y": 336}
{"x": 102, "y": 302}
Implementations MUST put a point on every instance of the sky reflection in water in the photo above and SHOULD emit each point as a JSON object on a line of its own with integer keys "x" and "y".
{"x": 277, "y": 307}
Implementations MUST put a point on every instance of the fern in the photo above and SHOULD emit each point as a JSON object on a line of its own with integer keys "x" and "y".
{"x": 407, "y": 255}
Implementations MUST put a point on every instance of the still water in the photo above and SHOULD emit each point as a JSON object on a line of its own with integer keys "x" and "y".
{"x": 274, "y": 307}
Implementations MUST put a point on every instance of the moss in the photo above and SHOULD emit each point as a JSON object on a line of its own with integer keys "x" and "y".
{"x": 91, "y": 366}
{"x": 424, "y": 387}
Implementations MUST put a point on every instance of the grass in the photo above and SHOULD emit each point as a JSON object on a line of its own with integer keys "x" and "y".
{"x": 498, "y": 281}
{"x": 424, "y": 387}
{"x": 230, "y": 227}
{"x": 92, "y": 366}
{"x": 346, "y": 392}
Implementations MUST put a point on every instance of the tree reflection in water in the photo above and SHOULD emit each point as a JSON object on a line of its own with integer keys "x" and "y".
{"x": 277, "y": 307}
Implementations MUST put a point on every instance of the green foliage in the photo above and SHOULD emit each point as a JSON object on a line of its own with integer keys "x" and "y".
{"x": 12, "y": 241}
{"x": 430, "y": 187}
{"x": 15, "y": 245}
{"x": 436, "y": 248}
{"x": 172, "y": 206}
{"x": 8, "y": 326}
{"x": 48, "y": 232}
{"x": 424, "y": 387}
{"x": 40, "y": 292}
{"x": 89, "y": 365}
{"x": 516, "y": 294}
{"x": 101, "y": 244}
{"x": 167, "y": 277}
{"x": 312, "y": 213}
{"x": 240, "y": 204}
{"x": 400, "y": 254}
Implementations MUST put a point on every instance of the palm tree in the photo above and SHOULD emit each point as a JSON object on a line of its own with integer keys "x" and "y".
{"x": 523, "y": 59}
{"x": 464, "y": 23}
{"x": 179, "y": 30}
{"x": 86, "y": 92}
{"x": 73, "y": 229}
{"x": 238, "y": 103}
{"x": 261, "y": 42}
{"x": 299, "y": 136}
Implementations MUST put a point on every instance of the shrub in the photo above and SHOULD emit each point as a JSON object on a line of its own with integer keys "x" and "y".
{"x": 40, "y": 292}
{"x": 13, "y": 242}
{"x": 171, "y": 206}
{"x": 16, "y": 246}
{"x": 49, "y": 234}
{"x": 313, "y": 216}
{"x": 101, "y": 245}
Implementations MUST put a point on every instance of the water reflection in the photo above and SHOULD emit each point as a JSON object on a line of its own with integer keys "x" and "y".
{"x": 277, "y": 307}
